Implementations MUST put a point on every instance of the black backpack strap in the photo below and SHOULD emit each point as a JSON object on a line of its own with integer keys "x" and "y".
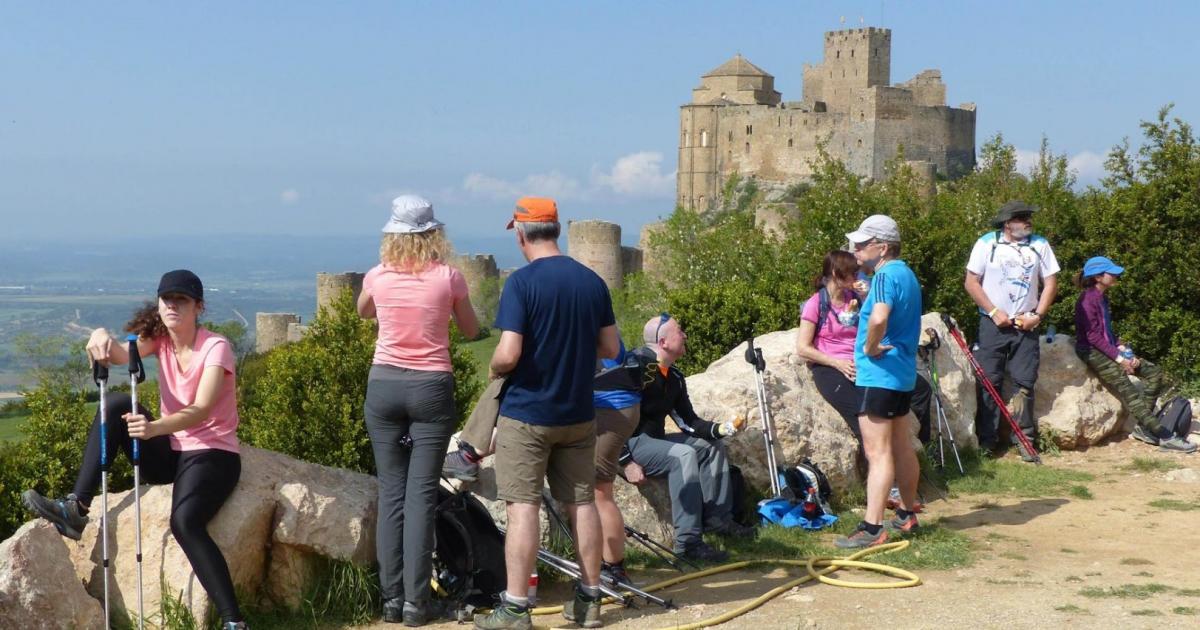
{"x": 824, "y": 305}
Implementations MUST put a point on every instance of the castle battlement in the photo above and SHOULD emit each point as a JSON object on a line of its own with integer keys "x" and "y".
{"x": 738, "y": 123}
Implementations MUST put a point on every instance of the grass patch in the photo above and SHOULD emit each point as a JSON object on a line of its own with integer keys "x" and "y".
{"x": 482, "y": 350}
{"x": 1072, "y": 609}
{"x": 1145, "y": 612}
{"x": 1184, "y": 610}
{"x": 1188, "y": 592}
{"x": 1126, "y": 591}
{"x": 12, "y": 422}
{"x": 1135, "y": 562}
{"x": 1145, "y": 574}
{"x": 1081, "y": 492}
{"x": 1175, "y": 505}
{"x": 1151, "y": 464}
{"x": 997, "y": 477}
{"x": 1073, "y": 578}
{"x": 1013, "y": 556}
{"x": 1068, "y": 550}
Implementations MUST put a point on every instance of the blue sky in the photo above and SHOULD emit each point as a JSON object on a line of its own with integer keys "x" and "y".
{"x": 306, "y": 117}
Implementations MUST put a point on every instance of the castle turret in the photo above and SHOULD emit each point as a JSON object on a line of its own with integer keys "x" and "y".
{"x": 330, "y": 285}
{"x": 271, "y": 329}
{"x": 597, "y": 244}
{"x": 483, "y": 281}
{"x": 855, "y": 59}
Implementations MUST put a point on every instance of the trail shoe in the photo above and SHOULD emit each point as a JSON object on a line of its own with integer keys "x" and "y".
{"x": 617, "y": 573}
{"x": 414, "y": 614}
{"x": 893, "y": 500}
{"x": 1026, "y": 456}
{"x": 861, "y": 539}
{"x": 393, "y": 610}
{"x": 505, "y": 616}
{"x": 734, "y": 529}
{"x": 67, "y": 515}
{"x": 583, "y": 610}
{"x": 1177, "y": 444}
{"x": 702, "y": 552}
{"x": 457, "y": 466}
{"x": 1138, "y": 433}
{"x": 903, "y": 525}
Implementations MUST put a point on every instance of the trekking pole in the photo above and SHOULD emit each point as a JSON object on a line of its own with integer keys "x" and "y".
{"x": 991, "y": 389}
{"x": 571, "y": 570}
{"x": 137, "y": 374}
{"x": 754, "y": 356}
{"x": 939, "y": 406}
{"x": 664, "y": 553}
{"x": 100, "y": 376}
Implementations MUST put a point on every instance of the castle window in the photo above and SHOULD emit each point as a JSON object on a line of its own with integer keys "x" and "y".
{"x": 839, "y": 55}
{"x": 851, "y": 53}
{"x": 876, "y": 53}
{"x": 789, "y": 143}
{"x": 789, "y": 121}
{"x": 731, "y": 134}
{"x": 749, "y": 130}
{"x": 684, "y": 141}
{"x": 862, "y": 116}
{"x": 860, "y": 142}
{"x": 747, "y": 147}
{"x": 843, "y": 73}
{"x": 703, "y": 138}
{"x": 702, "y": 201}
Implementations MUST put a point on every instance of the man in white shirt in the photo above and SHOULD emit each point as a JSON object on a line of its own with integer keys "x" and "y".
{"x": 1012, "y": 276}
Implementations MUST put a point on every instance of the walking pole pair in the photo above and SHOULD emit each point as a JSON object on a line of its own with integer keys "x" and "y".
{"x": 943, "y": 423}
{"x": 991, "y": 389}
{"x": 754, "y": 356}
{"x": 137, "y": 374}
{"x": 100, "y": 376}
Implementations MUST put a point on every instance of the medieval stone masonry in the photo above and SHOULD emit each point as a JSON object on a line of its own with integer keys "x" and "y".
{"x": 737, "y": 123}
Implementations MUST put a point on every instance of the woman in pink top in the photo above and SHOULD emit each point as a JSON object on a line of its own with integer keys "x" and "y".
{"x": 409, "y": 409}
{"x": 193, "y": 445}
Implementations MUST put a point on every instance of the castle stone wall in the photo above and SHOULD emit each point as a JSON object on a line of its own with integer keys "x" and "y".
{"x": 271, "y": 329}
{"x": 330, "y": 285}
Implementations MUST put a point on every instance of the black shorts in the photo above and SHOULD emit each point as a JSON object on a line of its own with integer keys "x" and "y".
{"x": 884, "y": 403}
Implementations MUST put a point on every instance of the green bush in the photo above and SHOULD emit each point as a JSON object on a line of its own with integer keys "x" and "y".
{"x": 305, "y": 399}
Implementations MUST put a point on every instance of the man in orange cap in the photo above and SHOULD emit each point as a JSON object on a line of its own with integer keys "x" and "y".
{"x": 556, "y": 320}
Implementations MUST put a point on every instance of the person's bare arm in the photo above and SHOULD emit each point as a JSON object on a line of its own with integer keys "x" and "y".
{"x": 974, "y": 286}
{"x": 507, "y": 353}
{"x": 102, "y": 347}
{"x": 186, "y": 418}
{"x": 876, "y": 328}
{"x": 366, "y": 305}
{"x": 464, "y": 316}
{"x": 608, "y": 344}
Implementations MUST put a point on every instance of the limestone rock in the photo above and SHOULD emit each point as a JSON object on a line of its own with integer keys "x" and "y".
{"x": 1070, "y": 401}
{"x": 289, "y": 571}
{"x": 328, "y": 511}
{"x": 38, "y": 589}
{"x": 647, "y": 508}
{"x": 956, "y": 380}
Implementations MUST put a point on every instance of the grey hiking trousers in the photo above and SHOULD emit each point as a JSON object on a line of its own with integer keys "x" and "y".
{"x": 697, "y": 472}
{"x": 404, "y": 405}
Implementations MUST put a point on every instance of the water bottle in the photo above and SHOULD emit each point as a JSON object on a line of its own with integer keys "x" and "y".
{"x": 1050, "y": 334}
{"x": 1126, "y": 352}
{"x": 532, "y": 593}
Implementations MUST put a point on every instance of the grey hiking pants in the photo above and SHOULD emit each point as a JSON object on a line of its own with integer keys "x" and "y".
{"x": 409, "y": 416}
{"x": 697, "y": 473}
{"x": 1011, "y": 351}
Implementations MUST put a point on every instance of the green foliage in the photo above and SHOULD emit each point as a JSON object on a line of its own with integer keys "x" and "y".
{"x": 235, "y": 332}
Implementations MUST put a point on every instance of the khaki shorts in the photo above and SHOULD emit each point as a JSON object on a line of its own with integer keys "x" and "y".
{"x": 527, "y": 453}
{"x": 613, "y": 428}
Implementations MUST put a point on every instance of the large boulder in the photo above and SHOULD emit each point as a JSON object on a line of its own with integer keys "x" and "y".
{"x": 1070, "y": 403}
{"x": 38, "y": 588}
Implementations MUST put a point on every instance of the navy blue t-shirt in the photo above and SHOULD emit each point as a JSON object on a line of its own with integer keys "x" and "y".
{"x": 559, "y": 307}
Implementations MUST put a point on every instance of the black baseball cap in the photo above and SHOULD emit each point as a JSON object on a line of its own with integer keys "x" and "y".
{"x": 183, "y": 282}
{"x": 1012, "y": 210}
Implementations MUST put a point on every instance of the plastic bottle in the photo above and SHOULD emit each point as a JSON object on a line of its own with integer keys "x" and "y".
{"x": 1050, "y": 334}
{"x": 1126, "y": 352}
{"x": 532, "y": 592}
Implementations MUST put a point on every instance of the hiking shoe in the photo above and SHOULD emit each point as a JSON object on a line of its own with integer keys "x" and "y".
{"x": 861, "y": 539}
{"x": 734, "y": 529}
{"x": 617, "y": 573}
{"x": 505, "y": 616}
{"x": 66, "y": 514}
{"x": 457, "y": 466}
{"x": 1138, "y": 433}
{"x": 583, "y": 610}
{"x": 1177, "y": 444}
{"x": 413, "y": 614}
{"x": 393, "y": 610}
{"x": 235, "y": 625}
{"x": 903, "y": 525}
{"x": 893, "y": 500}
{"x": 1026, "y": 456}
{"x": 703, "y": 552}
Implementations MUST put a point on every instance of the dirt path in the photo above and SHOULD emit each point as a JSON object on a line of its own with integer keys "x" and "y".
{"x": 1037, "y": 562}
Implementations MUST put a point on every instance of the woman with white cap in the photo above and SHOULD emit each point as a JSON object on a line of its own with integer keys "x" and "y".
{"x": 1113, "y": 362}
{"x": 409, "y": 408}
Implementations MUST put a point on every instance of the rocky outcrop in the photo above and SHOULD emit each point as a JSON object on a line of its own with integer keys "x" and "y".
{"x": 38, "y": 589}
{"x": 1070, "y": 403}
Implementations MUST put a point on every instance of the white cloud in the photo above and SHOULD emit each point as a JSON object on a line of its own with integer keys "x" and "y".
{"x": 638, "y": 175}
{"x": 1087, "y": 166}
{"x": 552, "y": 184}
{"x": 289, "y": 196}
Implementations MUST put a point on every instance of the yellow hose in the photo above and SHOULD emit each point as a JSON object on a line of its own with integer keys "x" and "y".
{"x": 826, "y": 566}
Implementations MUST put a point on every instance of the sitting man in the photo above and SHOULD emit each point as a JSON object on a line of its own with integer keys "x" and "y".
{"x": 693, "y": 460}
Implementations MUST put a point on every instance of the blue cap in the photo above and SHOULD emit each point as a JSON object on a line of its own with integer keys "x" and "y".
{"x": 1097, "y": 265}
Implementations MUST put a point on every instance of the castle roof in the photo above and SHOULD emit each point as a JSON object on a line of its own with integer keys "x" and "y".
{"x": 739, "y": 66}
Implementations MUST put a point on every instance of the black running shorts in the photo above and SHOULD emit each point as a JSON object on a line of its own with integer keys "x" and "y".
{"x": 884, "y": 403}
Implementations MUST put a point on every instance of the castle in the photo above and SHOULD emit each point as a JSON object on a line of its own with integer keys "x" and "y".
{"x": 737, "y": 123}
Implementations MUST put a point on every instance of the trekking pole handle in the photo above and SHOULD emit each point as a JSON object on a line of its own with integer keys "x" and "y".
{"x": 949, "y": 321}
{"x": 750, "y": 352}
{"x": 136, "y": 369}
{"x": 99, "y": 372}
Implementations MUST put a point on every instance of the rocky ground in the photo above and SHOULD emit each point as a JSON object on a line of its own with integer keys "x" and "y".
{"x": 1126, "y": 557}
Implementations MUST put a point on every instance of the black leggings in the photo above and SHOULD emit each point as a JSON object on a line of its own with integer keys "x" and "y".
{"x": 203, "y": 480}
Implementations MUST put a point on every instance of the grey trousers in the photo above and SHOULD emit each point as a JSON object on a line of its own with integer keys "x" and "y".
{"x": 409, "y": 416}
{"x": 1011, "y": 351}
{"x": 697, "y": 473}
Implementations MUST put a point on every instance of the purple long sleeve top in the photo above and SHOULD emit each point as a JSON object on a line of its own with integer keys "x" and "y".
{"x": 1093, "y": 324}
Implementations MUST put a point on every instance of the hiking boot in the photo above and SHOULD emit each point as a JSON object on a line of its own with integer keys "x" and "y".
{"x": 903, "y": 525}
{"x": 67, "y": 514}
{"x": 393, "y": 610}
{"x": 505, "y": 616}
{"x": 583, "y": 610}
{"x": 734, "y": 529}
{"x": 457, "y": 466}
{"x": 1177, "y": 444}
{"x": 861, "y": 539}
{"x": 1138, "y": 433}
{"x": 703, "y": 552}
{"x": 617, "y": 573}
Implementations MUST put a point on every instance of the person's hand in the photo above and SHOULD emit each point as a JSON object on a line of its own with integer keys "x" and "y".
{"x": 1127, "y": 367}
{"x": 1135, "y": 362}
{"x": 99, "y": 346}
{"x": 1029, "y": 321}
{"x": 492, "y": 375}
{"x": 1001, "y": 319}
{"x": 846, "y": 367}
{"x": 139, "y": 427}
{"x": 860, "y": 287}
{"x": 876, "y": 351}
{"x": 634, "y": 473}
{"x": 727, "y": 429}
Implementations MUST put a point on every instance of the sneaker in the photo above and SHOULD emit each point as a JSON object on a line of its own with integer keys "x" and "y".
{"x": 861, "y": 539}
{"x": 617, "y": 573}
{"x": 457, "y": 466}
{"x": 67, "y": 514}
{"x": 583, "y": 610}
{"x": 734, "y": 529}
{"x": 893, "y": 500}
{"x": 703, "y": 552}
{"x": 505, "y": 616}
{"x": 393, "y": 610}
{"x": 1177, "y": 444}
{"x": 1138, "y": 433}
{"x": 903, "y": 526}
{"x": 414, "y": 614}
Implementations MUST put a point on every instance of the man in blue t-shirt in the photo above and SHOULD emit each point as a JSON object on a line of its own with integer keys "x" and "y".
{"x": 885, "y": 357}
{"x": 557, "y": 320}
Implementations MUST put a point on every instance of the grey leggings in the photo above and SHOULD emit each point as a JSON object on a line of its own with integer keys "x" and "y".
{"x": 409, "y": 416}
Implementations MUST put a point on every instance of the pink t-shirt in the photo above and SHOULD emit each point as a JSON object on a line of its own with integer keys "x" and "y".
{"x": 833, "y": 338}
{"x": 414, "y": 311}
{"x": 177, "y": 389}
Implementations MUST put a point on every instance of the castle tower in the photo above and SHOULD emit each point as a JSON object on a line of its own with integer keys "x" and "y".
{"x": 271, "y": 329}
{"x": 331, "y": 285}
{"x": 483, "y": 280}
{"x": 597, "y": 245}
{"x": 855, "y": 59}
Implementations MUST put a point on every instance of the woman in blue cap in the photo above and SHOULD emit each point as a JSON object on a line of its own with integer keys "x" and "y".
{"x": 1112, "y": 361}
